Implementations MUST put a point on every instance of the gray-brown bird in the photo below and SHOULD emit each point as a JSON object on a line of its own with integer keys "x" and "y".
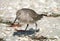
{"x": 28, "y": 16}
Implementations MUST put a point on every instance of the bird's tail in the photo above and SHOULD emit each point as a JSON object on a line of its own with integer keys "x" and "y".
{"x": 43, "y": 15}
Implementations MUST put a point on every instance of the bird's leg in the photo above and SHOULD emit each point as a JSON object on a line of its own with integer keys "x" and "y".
{"x": 26, "y": 26}
{"x": 36, "y": 26}
{"x": 14, "y": 21}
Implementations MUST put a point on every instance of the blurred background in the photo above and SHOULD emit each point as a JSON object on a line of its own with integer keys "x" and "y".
{"x": 49, "y": 26}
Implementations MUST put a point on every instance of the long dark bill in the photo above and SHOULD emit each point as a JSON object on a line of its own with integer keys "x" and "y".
{"x": 14, "y": 21}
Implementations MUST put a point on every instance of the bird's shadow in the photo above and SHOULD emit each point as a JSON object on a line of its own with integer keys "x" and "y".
{"x": 25, "y": 32}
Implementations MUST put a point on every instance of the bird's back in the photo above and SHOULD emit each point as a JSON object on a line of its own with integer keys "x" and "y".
{"x": 26, "y": 11}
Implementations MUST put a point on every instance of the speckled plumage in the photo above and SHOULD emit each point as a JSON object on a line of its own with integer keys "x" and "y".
{"x": 26, "y": 15}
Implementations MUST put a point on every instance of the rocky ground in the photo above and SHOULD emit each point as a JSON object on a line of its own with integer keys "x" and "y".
{"x": 48, "y": 27}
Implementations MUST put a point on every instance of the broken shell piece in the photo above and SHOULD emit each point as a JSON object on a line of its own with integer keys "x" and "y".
{"x": 16, "y": 25}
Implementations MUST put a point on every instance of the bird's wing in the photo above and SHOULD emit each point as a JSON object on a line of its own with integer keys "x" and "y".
{"x": 34, "y": 15}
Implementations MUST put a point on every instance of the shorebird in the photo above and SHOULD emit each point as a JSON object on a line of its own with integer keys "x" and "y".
{"x": 28, "y": 16}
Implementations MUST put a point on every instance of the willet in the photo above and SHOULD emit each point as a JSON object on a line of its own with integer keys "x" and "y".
{"x": 28, "y": 16}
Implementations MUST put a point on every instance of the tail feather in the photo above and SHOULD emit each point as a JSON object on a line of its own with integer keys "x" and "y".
{"x": 43, "y": 15}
